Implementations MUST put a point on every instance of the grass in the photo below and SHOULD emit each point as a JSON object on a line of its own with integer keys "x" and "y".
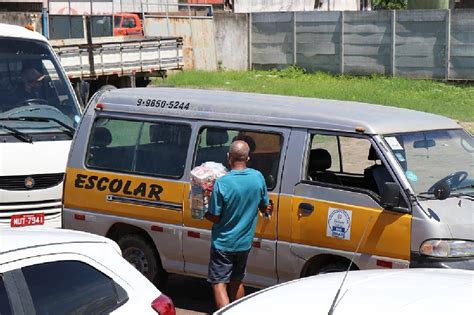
{"x": 452, "y": 100}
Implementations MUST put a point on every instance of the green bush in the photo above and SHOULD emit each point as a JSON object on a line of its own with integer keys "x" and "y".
{"x": 389, "y": 4}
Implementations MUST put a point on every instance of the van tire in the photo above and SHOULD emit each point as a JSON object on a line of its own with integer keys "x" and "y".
{"x": 333, "y": 267}
{"x": 144, "y": 257}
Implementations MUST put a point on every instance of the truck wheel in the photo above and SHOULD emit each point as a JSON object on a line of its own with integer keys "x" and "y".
{"x": 143, "y": 256}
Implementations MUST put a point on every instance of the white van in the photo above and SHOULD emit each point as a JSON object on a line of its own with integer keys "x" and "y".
{"x": 398, "y": 182}
{"x": 38, "y": 116}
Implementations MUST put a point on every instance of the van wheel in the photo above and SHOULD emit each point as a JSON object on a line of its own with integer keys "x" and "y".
{"x": 138, "y": 252}
{"x": 333, "y": 267}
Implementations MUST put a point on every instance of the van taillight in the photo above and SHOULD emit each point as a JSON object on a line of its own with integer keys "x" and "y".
{"x": 163, "y": 305}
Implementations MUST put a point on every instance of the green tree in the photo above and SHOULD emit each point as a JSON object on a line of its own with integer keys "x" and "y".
{"x": 389, "y": 4}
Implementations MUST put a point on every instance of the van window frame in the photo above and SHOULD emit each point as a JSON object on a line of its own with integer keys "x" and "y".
{"x": 376, "y": 197}
{"x": 247, "y": 127}
{"x": 141, "y": 119}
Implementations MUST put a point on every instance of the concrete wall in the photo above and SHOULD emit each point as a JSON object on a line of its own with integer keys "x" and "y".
{"x": 21, "y": 19}
{"x": 199, "y": 49}
{"x": 434, "y": 44}
{"x": 231, "y": 39}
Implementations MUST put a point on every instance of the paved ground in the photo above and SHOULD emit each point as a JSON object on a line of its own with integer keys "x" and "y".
{"x": 191, "y": 295}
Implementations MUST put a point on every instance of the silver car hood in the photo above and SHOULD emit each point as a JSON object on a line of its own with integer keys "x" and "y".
{"x": 456, "y": 212}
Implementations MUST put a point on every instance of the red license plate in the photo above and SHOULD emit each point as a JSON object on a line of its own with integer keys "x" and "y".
{"x": 27, "y": 219}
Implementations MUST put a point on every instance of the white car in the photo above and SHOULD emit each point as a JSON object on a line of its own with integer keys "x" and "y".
{"x": 401, "y": 291}
{"x": 49, "y": 271}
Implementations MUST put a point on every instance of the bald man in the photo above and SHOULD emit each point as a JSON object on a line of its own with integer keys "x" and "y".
{"x": 233, "y": 208}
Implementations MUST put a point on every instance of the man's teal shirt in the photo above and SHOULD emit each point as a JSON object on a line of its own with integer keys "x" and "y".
{"x": 236, "y": 198}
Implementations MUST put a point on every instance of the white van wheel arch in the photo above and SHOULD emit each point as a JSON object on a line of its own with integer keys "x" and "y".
{"x": 326, "y": 264}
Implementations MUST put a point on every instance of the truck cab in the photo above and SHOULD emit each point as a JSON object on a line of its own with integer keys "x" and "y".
{"x": 127, "y": 24}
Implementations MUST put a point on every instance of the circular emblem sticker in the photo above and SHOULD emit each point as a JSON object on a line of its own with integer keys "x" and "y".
{"x": 29, "y": 182}
{"x": 339, "y": 223}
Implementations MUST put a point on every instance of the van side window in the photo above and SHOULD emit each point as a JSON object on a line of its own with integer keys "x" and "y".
{"x": 265, "y": 149}
{"x": 346, "y": 161}
{"x": 150, "y": 148}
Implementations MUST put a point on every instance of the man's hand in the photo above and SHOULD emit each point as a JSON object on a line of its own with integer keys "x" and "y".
{"x": 267, "y": 212}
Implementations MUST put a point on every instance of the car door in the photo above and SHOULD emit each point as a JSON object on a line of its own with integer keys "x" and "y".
{"x": 268, "y": 146}
{"x": 334, "y": 206}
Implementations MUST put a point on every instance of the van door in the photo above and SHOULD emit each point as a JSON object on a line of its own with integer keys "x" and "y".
{"x": 268, "y": 147}
{"x": 338, "y": 199}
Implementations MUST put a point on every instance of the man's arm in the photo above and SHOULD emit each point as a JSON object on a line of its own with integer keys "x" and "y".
{"x": 265, "y": 206}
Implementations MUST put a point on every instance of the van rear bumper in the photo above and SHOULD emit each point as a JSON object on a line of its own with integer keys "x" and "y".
{"x": 419, "y": 261}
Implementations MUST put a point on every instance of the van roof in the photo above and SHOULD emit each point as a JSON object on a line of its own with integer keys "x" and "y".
{"x": 14, "y": 31}
{"x": 276, "y": 110}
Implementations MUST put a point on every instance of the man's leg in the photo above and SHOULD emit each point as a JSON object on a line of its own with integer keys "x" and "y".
{"x": 220, "y": 269}
{"x": 220, "y": 294}
{"x": 236, "y": 289}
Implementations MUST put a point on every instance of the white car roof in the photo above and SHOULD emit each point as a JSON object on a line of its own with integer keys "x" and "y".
{"x": 12, "y": 239}
{"x": 401, "y": 291}
{"x": 14, "y": 31}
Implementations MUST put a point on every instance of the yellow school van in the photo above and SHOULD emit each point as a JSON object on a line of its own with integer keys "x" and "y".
{"x": 398, "y": 182}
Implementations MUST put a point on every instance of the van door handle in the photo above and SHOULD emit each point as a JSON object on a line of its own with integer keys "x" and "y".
{"x": 305, "y": 209}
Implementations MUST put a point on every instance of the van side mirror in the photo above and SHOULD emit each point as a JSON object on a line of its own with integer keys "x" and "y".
{"x": 391, "y": 197}
{"x": 84, "y": 89}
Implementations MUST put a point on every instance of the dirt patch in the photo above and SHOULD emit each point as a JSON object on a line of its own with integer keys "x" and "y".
{"x": 469, "y": 126}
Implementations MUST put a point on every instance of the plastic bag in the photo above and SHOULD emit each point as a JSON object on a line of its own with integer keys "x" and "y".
{"x": 203, "y": 178}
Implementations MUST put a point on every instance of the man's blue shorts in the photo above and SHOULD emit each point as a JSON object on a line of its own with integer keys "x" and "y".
{"x": 227, "y": 266}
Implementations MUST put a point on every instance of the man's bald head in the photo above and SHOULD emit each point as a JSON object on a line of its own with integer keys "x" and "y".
{"x": 239, "y": 151}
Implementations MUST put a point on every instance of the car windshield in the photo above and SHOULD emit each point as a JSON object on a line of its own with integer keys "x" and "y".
{"x": 434, "y": 157}
{"x": 32, "y": 85}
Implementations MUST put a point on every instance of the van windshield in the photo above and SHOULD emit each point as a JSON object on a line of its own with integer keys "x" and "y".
{"x": 33, "y": 85}
{"x": 433, "y": 157}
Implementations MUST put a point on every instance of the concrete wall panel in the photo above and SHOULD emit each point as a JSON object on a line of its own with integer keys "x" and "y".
{"x": 231, "y": 38}
{"x": 199, "y": 50}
